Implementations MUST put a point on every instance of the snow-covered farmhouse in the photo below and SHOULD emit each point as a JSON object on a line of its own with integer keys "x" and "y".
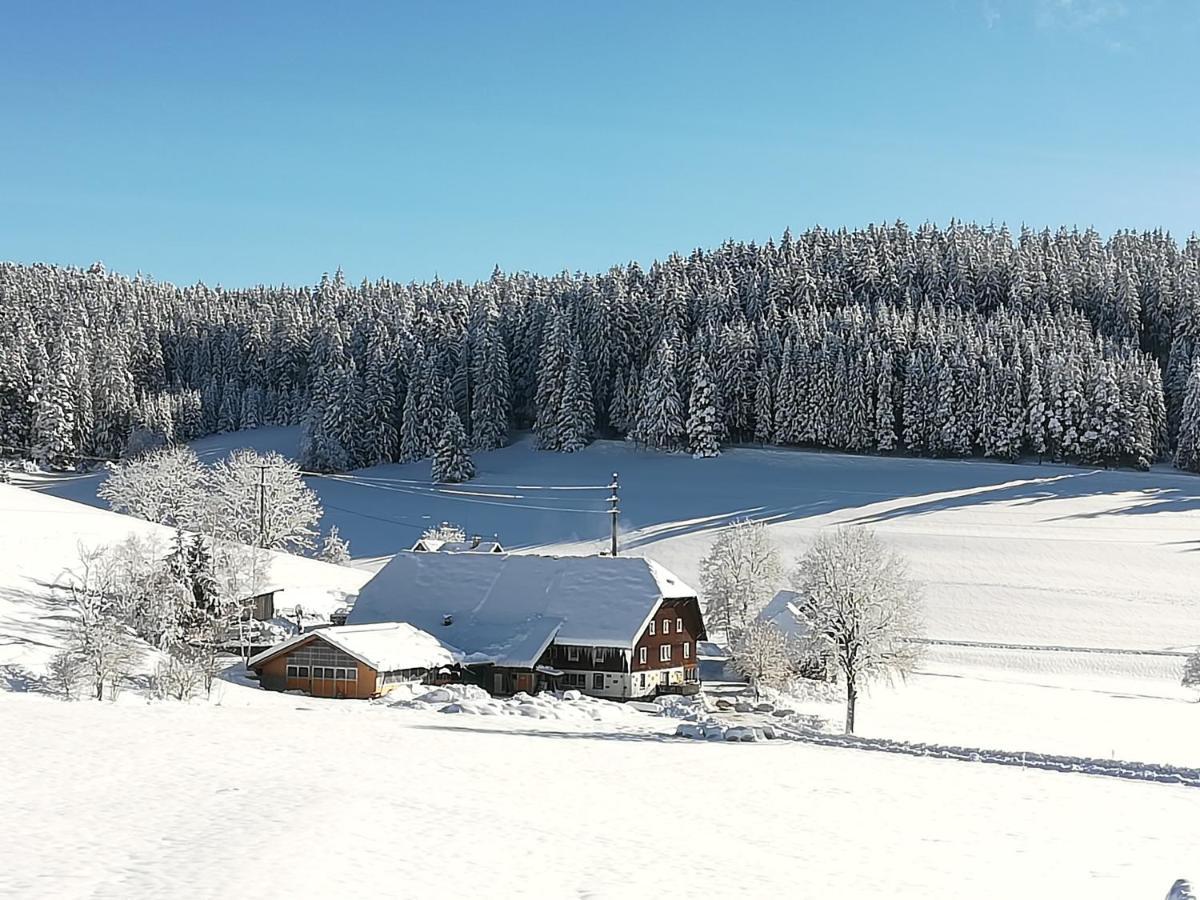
{"x": 353, "y": 661}
{"x": 618, "y": 627}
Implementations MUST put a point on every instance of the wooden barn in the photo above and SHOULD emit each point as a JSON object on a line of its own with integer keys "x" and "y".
{"x": 616, "y": 627}
{"x": 354, "y": 661}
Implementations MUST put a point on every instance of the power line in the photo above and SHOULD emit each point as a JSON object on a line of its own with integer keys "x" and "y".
{"x": 417, "y": 483}
{"x": 460, "y": 497}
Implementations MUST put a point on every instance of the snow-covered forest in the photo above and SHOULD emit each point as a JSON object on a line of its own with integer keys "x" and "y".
{"x": 941, "y": 342}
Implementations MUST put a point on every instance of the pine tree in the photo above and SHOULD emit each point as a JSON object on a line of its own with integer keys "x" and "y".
{"x": 490, "y": 386}
{"x": 451, "y": 463}
{"x": 660, "y": 422}
{"x": 53, "y": 423}
{"x": 704, "y": 425}
{"x": 577, "y": 416}
{"x": 1187, "y": 452}
{"x": 335, "y": 549}
{"x": 885, "y": 410}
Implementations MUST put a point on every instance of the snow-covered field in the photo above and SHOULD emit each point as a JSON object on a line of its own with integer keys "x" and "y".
{"x": 300, "y": 797}
{"x": 1046, "y": 555}
{"x": 281, "y": 796}
{"x": 1020, "y": 553}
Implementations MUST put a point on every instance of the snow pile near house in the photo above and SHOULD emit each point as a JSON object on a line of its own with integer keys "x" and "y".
{"x": 564, "y": 706}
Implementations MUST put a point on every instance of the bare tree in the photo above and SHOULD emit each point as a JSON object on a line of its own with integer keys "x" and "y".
{"x": 763, "y": 655}
{"x": 855, "y": 593}
{"x": 447, "y": 531}
{"x": 739, "y": 576}
{"x": 180, "y": 674}
{"x": 167, "y": 487}
{"x": 66, "y": 672}
{"x": 100, "y": 639}
{"x": 263, "y": 501}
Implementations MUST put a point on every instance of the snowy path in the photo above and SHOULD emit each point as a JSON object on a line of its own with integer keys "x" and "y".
{"x": 298, "y": 798}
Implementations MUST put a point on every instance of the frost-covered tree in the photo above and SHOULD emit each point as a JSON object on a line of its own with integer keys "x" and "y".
{"x": 335, "y": 549}
{"x": 1187, "y": 452}
{"x": 99, "y": 639}
{"x": 856, "y": 596}
{"x": 448, "y": 532}
{"x": 802, "y": 335}
{"x": 491, "y": 391}
{"x": 763, "y": 655}
{"x": 451, "y": 462}
{"x": 704, "y": 426}
{"x": 1191, "y": 670}
{"x": 660, "y": 417}
{"x": 261, "y": 500}
{"x": 739, "y": 576}
{"x": 169, "y": 487}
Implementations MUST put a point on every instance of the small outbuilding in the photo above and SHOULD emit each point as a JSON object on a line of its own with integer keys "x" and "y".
{"x": 473, "y": 544}
{"x": 354, "y": 661}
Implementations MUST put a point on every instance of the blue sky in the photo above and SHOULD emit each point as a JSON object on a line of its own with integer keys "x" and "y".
{"x": 238, "y": 143}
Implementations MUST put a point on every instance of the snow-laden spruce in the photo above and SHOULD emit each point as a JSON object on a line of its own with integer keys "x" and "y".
{"x": 954, "y": 341}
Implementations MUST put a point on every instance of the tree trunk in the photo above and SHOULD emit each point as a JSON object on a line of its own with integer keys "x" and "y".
{"x": 851, "y": 700}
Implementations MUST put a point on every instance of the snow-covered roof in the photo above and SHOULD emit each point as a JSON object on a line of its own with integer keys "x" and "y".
{"x": 508, "y": 607}
{"x": 784, "y": 614}
{"x": 436, "y": 545}
{"x": 384, "y": 646}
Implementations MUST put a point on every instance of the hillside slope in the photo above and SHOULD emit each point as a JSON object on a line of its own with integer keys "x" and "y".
{"x": 1017, "y": 553}
{"x": 41, "y": 536}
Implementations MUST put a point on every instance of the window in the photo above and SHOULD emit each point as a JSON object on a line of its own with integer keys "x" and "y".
{"x": 598, "y": 682}
{"x": 642, "y": 655}
{"x": 301, "y": 671}
{"x": 652, "y": 626}
{"x": 598, "y": 656}
{"x": 679, "y": 626}
{"x": 291, "y": 672}
{"x": 572, "y": 654}
{"x": 666, "y": 626}
{"x": 664, "y": 653}
{"x": 687, "y": 649}
{"x": 643, "y": 677}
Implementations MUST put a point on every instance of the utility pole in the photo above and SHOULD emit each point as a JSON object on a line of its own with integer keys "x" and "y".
{"x": 614, "y": 509}
{"x": 262, "y": 504}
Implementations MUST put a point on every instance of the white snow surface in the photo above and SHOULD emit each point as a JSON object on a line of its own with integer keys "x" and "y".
{"x": 425, "y": 804}
{"x": 384, "y": 646}
{"x": 1045, "y": 555}
{"x": 507, "y": 607}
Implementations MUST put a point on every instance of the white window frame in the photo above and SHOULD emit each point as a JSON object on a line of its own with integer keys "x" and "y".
{"x": 597, "y": 656}
{"x": 651, "y": 627}
{"x": 572, "y": 654}
{"x": 666, "y": 626}
{"x": 664, "y": 653}
{"x": 687, "y": 649}
{"x": 679, "y": 625}
{"x": 642, "y": 655}
{"x": 597, "y": 676}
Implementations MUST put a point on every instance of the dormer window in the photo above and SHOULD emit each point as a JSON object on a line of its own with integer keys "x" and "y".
{"x": 447, "y": 619}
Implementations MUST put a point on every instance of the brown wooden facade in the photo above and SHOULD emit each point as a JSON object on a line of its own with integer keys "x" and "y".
{"x": 314, "y": 666}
